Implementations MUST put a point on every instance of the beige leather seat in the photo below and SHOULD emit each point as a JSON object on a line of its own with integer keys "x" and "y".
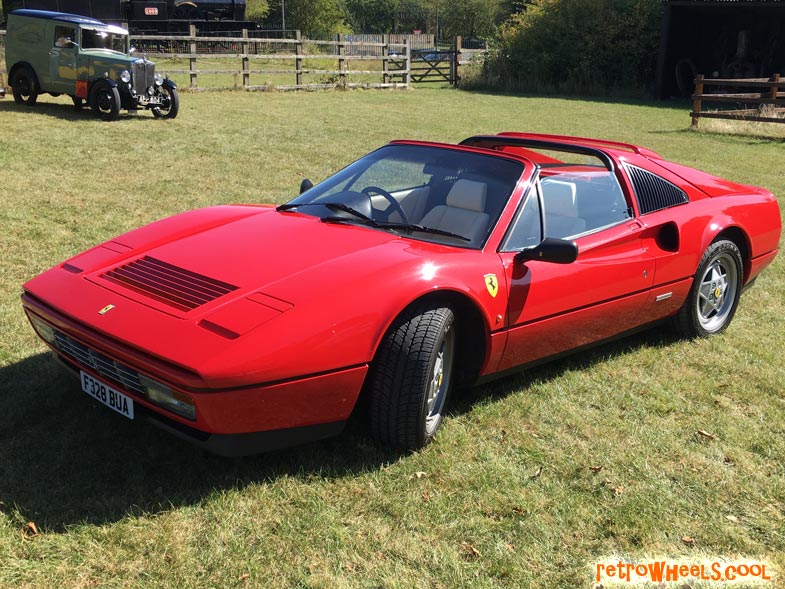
{"x": 464, "y": 211}
{"x": 561, "y": 210}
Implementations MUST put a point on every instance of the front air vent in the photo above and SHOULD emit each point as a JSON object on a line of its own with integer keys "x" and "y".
{"x": 180, "y": 288}
{"x": 654, "y": 193}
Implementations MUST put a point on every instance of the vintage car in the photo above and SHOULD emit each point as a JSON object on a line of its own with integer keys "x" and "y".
{"x": 418, "y": 268}
{"x": 86, "y": 59}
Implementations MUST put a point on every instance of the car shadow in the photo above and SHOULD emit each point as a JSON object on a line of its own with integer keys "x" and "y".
{"x": 68, "y": 460}
{"x": 58, "y": 110}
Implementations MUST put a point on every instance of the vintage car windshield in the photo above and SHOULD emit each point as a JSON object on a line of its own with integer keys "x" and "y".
{"x": 429, "y": 193}
{"x": 102, "y": 39}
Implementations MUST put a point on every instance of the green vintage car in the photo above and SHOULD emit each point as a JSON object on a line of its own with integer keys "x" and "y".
{"x": 86, "y": 59}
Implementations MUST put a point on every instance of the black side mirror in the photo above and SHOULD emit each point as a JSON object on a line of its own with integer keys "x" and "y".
{"x": 306, "y": 184}
{"x": 550, "y": 249}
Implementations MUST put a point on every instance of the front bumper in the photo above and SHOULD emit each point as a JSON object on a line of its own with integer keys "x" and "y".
{"x": 229, "y": 421}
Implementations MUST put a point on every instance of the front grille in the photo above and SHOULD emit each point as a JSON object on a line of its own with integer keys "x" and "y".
{"x": 180, "y": 288}
{"x": 144, "y": 75}
{"x": 88, "y": 358}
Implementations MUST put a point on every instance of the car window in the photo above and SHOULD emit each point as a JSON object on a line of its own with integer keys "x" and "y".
{"x": 525, "y": 230}
{"x": 578, "y": 202}
{"x": 64, "y": 35}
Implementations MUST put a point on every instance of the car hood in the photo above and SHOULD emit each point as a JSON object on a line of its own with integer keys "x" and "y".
{"x": 267, "y": 252}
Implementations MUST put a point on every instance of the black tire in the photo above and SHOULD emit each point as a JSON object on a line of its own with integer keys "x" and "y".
{"x": 78, "y": 103}
{"x": 171, "y": 104}
{"x": 411, "y": 378}
{"x": 715, "y": 292}
{"x": 105, "y": 101}
{"x": 24, "y": 86}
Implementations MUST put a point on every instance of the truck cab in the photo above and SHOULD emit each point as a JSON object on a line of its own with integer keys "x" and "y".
{"x": 86, "y": 59}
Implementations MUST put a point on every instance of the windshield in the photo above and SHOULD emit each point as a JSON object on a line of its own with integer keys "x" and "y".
{"x": 98, "y": 39}
{"x": 429, "y": 193}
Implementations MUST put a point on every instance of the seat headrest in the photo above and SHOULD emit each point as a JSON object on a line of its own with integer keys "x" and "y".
{"x": 468, "y": 194}
{"x": 559, "y": 198}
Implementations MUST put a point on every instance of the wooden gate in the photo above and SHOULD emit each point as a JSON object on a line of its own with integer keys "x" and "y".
{"x": 434, "y": 66}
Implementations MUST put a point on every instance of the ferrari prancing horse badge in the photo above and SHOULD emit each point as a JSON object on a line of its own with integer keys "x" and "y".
{"x": 492, "y": 284}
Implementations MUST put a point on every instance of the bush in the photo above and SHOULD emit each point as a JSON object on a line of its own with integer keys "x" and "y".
{"x": 585, "y": 46}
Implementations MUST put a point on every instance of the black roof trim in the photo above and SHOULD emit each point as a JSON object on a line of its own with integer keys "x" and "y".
{"x": 63, "y": 16}
{"x": 491, "y": 141}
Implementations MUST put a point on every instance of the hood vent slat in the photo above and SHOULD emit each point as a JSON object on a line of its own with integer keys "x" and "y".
{"x": 178, "y": 287}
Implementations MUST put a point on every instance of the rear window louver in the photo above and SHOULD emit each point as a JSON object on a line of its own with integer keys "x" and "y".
{"x": 654, "y": 193}
{"x": 180, "y": 288}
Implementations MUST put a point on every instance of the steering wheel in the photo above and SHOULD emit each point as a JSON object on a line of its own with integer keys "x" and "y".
{"x": 390, "y": 198}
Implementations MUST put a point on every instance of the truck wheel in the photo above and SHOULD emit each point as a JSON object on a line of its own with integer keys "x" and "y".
{"x": 411, "y": 378}
{"x": 105, "y": 101}
{"x": 170, "y": 104}
{"x": 23, "y": 86}
{"x": 78, "y": 103}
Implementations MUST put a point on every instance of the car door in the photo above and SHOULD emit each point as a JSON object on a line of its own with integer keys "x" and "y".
{"x": 557, "y": 307}
{"x": 62, "y": 60}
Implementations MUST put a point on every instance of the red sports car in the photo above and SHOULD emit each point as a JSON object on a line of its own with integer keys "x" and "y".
{"x": 418, "y": 268}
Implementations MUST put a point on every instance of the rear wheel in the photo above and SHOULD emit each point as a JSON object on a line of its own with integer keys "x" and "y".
{"x": 78, "y": 103}
{"x": 23, "y": 86}
{"x": 715, "y": 292}
{"x": 105, "y": 101}
{"x": 411, "y": 378}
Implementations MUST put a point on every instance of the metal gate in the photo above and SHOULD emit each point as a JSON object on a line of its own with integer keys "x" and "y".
{"x": 434, "y": 66}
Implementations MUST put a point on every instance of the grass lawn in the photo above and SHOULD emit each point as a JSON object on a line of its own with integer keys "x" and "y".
{"x": 532, "y": 480}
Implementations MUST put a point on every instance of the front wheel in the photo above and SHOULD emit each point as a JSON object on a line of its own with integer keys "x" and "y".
{"x": 715, "y": 292}
{"x": 105, "y": 101}
{"x": 170, "y": 104}
{"x": 411, "y": 377}
{"x": 23, "y": 86}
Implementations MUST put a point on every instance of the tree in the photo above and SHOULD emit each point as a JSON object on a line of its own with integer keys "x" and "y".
{"x": 317, "y": 19}
{"x": 469, "y": 18}
{"x": 256, "y": 9}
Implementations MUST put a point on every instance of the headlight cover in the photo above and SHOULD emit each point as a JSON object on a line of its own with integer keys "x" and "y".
{"x": 159, "y": 79}
{"x": 163, "y": 396}
{"x": 125, "y": 76}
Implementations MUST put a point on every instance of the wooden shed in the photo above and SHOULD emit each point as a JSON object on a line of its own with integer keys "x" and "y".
{"x": 719, "y": 38}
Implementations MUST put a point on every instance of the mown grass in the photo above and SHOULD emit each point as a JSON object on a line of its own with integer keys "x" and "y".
{"x": 533, "y": 479}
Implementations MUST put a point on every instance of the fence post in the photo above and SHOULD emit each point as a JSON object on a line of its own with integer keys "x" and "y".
{"x": 775, "y": 90}
{"x": 341, "y": 61}
{"x": 245, "y": 61}
{"x": 298, "y": 60}
{"x": 456, "y": 73}
{"x": 385, "y": 58}
{"x": 696, "y": 101}
{"x": 408, "y": 62}
{"x": 192, "y": 51}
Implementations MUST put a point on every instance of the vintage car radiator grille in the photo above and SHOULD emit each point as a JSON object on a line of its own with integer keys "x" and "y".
{"x": 144, "y": 74}
{"x": 105, "y": 367}
{"x": 180, "y": 288}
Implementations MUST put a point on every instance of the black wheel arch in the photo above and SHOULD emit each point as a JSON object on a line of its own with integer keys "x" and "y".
{"x": 24, "y": 64}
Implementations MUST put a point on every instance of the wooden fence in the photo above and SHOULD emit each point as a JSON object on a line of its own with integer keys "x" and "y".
{"x": 769, "y": 94}
{"x": 290, "y": 64}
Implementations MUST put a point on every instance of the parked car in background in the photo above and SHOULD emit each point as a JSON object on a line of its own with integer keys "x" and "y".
{"x": 418, "y": 268}
{"x": 88, "y": 60}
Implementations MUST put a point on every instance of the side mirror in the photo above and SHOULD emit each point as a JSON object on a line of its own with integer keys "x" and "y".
{"x": 550, "y": 249}
{"x": 306, "y": 184}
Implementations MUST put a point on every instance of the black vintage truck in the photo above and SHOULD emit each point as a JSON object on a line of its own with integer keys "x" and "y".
{"x": 150, "y": 16}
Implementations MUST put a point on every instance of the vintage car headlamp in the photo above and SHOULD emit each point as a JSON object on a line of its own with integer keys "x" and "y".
{"x": 159, "y": 80}
{"x": 125, "y": 76}
{"x": 45, "y": 331}
{"x": 163, "y": 396}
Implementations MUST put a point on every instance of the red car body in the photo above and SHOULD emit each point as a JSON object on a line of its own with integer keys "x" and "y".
{"x": 281, "y": 316}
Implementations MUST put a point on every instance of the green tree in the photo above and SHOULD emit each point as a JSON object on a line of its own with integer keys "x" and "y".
{"x": 317, "y": 19}
{"x": 256, "y": 9}
{"x": 470, "y": 18}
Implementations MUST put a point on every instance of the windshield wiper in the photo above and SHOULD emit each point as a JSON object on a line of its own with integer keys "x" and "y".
{"x": 411, "y": 227}
{"x": 333, "y": 206}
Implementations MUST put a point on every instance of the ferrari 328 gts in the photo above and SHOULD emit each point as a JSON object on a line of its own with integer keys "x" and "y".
{"x": 418, "y": 268}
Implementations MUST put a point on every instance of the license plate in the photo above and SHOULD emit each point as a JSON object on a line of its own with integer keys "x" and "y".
{"x": 105, "y": 394}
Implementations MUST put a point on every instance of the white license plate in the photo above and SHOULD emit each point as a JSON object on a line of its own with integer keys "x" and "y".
{"x": 105, "y": 394}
